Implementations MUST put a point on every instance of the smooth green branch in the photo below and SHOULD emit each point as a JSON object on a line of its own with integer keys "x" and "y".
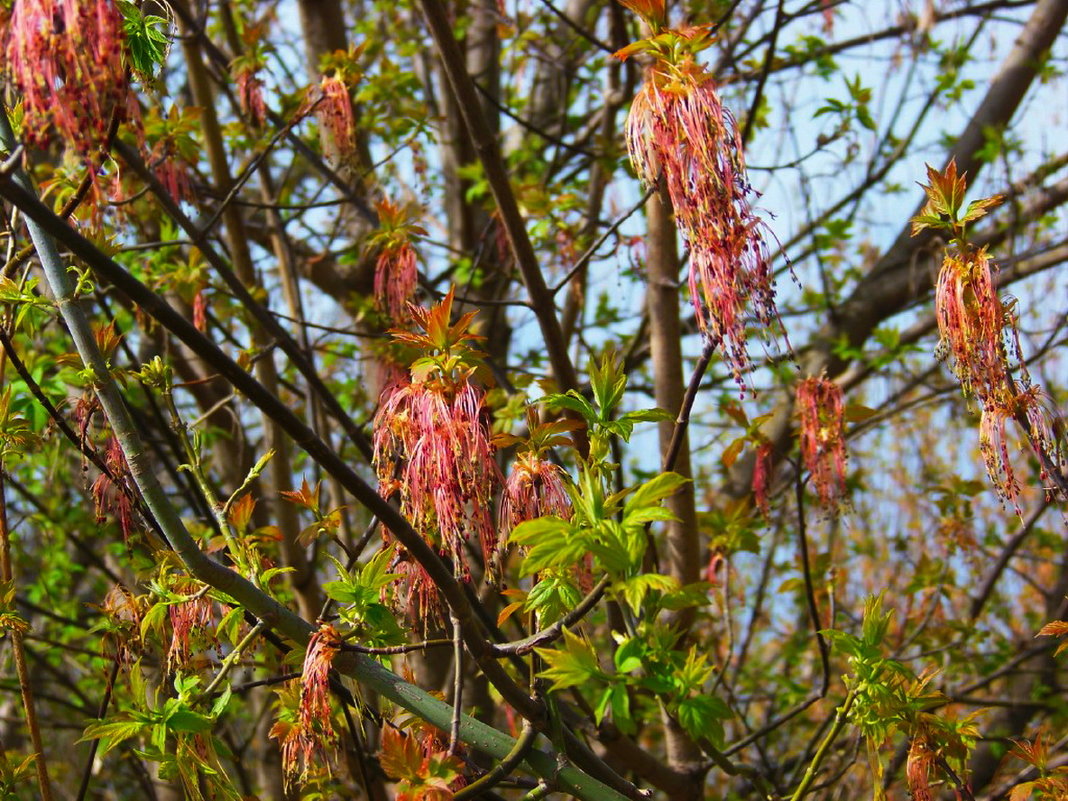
{"x": 817, "y": 759}
{"x": 237, "y": 551}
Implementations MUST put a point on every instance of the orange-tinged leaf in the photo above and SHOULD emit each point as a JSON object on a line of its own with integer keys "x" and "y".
{"x": 947, "y": 188}
{"x": 305, "y": 496}
{"x": 653, "y": 12}
{"x": 1055, "y": 628}
{"x": 632, "y": 49}
{"x": 241, "y": 511}
{"x": 508, "y": 611}
{"x": 736, "y": 413}
{"x": 1021, "y": 792}
{"x": 730, "y": 455}
{"x": 504, "y": 440}
{"x": 922, "y": 222}
{"x": 401, "y": 756}
{"x": 945, "y": 195}
{"x": 978, "y": 208}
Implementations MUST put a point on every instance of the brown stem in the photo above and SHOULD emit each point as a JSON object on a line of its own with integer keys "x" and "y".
{"x": 489, "y": 154}
{"x": 665, "y": 340}
{"x": 19, "y": 651}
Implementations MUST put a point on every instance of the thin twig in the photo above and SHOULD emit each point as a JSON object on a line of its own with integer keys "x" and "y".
{"x": 683, "y": 419}
{"x": 94, "y": 744}
{"x": 812, "y": 770}
{"x": 810, "y": 593}
{"x": 498, "y": 772}
{"x": 758, "y": 96}
{"x": 551, "y": 633}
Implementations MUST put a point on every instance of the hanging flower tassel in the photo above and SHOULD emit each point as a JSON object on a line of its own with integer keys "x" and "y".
{"x": 66, "y": 61}
{"x": 396, "y": 272}
{"x": 432, "y": 445}
{"x": 678, "y": 130}
{"x": 308, "y": 743}
{"x": 978, "y": 334}
{"x": 823, "y": 452}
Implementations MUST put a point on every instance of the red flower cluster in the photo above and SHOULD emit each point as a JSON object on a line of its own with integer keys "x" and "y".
{"x": 335, "y": 114}
{"x": 432, "y": 434}
{"x": 762, "y": 474}
{"x": 535, "y": 488}
{"x": 191, "y": 625}
{"x": 432, "y": 445}
{"x": 678, "y": 128}
{"x": 65, "y": 57}
{"x": 979, "y": 332}
{"x": 250, "y": 94}
{"x": 109, "y": 496}
{"x": 823, "y": 452}
{"x": 918, "y": 767}
{"x": 313, "y": 734}
{"x": 396, "y": 275}
{"x": 970, "y": 321}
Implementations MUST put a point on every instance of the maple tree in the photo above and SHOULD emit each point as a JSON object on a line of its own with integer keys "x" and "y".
{"x": 449, "y": 416}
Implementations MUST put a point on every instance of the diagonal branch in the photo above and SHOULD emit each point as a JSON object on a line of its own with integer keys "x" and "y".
{"x": 489, "y": 153}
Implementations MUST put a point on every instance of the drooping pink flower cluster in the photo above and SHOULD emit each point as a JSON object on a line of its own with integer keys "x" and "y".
{"x": 113, "y": 492}
{"x": 191, "y": 628}
{"x": 823, "y": 452}
{"x": 396, "y": 273}
{"x": 679, "y": 130}
{"x": 435, "y": 437}
{"x": 250, "y": 93}
{"x": 65, "y": 57}
{"x": 335, "y": 115}
{"x": 333, "y": 103}
{"x": 971, "y": 321}
{"x": 918, "y": 767}
{"x": 762, "y": 474}
{"x": 312, "y": 738}
{"x": 536, "y": 487}
{"x": 979, "y": 332}
{"x": 432, "y": 445}
{"x": 171, "y": 145}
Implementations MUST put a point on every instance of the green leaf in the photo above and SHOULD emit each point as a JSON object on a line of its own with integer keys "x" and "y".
{"x": 186, "y": 720}
{"x": 573, "y": 401}
{"x": 111, "y": 733}
{"x": 629, "y": 656}
{"x": 153, "y": 618}
{"x": 146, "y": 37}
{"x": 573, "y": 665}
{"x": 702, "y": 715}
{"x": 978, "y": 208}
{"x": 608, "y": 384}
{"x": 221, "y": 702}
{"x": 529, "y": 532}
{"x": 552, "y": 597}
{"x": 637, "y": 587}
{"x": 650, "y": 494}
{"x": 228, "y": 628}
